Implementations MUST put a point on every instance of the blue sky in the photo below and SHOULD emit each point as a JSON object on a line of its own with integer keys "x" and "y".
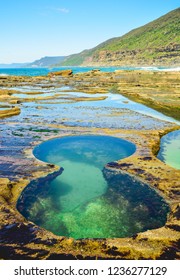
{"x": 35, "y": 28}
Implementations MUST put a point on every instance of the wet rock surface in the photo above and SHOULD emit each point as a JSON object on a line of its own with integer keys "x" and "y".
{"x": 41, "y": 118}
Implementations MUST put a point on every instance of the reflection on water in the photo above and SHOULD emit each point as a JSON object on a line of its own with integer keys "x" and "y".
{"x": 86, "y": 200}
{"x": 123, "y": 102}
{"x": 170, "y": 149}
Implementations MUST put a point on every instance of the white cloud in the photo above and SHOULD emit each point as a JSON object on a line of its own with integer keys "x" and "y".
{"x": 55, "y": 10}
{"x": 62, "y": 10}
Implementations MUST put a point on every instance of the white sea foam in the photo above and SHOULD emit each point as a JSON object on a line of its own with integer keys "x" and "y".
{"x": 176, "y": 69}
{"x": 3, "y": 75}
{"x": 154, "y": 68}
{"x": 150, "y": 68}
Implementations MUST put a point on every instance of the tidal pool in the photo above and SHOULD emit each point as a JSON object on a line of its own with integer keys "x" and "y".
{"x": 170, "y": 149}
{"x": 86, "y": 200}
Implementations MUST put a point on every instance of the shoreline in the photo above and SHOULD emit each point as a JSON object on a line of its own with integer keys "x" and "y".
{"x": 23, "y": 239}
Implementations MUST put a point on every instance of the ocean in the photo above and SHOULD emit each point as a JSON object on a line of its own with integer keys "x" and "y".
{"x": 45, "y": 71}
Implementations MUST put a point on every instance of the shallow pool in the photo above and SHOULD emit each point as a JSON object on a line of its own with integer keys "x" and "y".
{"x": 85, "y": 201}
{"x": 170, "y": 149}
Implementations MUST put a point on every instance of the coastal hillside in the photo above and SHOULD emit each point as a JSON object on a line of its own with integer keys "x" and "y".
{"x": 46, "y": 61}
{"x": 156, "y": 43}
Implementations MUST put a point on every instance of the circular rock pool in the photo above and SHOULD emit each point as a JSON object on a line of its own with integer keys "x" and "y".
{"x": 87, "y": 200}
{"x": 170, "y": 149}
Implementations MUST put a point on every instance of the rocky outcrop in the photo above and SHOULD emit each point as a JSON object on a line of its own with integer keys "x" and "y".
{"x": 9, "y": 112}
{"x": 157, "y": 56}
{"x": 63, "y": 73}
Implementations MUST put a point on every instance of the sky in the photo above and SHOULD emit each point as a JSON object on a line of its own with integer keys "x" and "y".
{"x": 36, "y": 28}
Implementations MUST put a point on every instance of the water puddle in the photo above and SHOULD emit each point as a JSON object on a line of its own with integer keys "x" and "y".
{"x": 86, "y": 200}
{"x": 170, "y": 149}
{"x": 30, "y": 96}
{"x": 53, "y": 93}
{"x": 119, "y": 101}
{"x": 41, "y": 88}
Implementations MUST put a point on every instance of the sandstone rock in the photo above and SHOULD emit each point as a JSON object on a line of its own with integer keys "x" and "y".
{"x": 10, "y": 112}
{"x": 14, "y": 102}
{"x": 64, "y": 73}
{"x": 4, "y": 181}
{"x": 5, "y": 192}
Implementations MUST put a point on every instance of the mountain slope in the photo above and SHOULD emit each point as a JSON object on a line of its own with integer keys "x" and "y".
{"x": 46, "y": 61}
{"x": 157, "y": 42}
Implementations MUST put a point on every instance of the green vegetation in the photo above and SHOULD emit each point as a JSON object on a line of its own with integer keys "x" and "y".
{"x": 17, "y": 134}
{"x": 76, "y": 59}
{"x": 157, "y": 42}
{"x": 44, "y": 130}
{"x": 162, "y": 32}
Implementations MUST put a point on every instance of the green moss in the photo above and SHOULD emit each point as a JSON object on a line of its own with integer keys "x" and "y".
{"x": 17, "y": 134}
{"x": 44, "y": 130}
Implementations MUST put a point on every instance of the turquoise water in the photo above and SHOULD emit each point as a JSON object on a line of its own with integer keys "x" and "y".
{"x": 85, "y": 201}
{"x": 45, "y": 71}
{"x": 170, "y": 149}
